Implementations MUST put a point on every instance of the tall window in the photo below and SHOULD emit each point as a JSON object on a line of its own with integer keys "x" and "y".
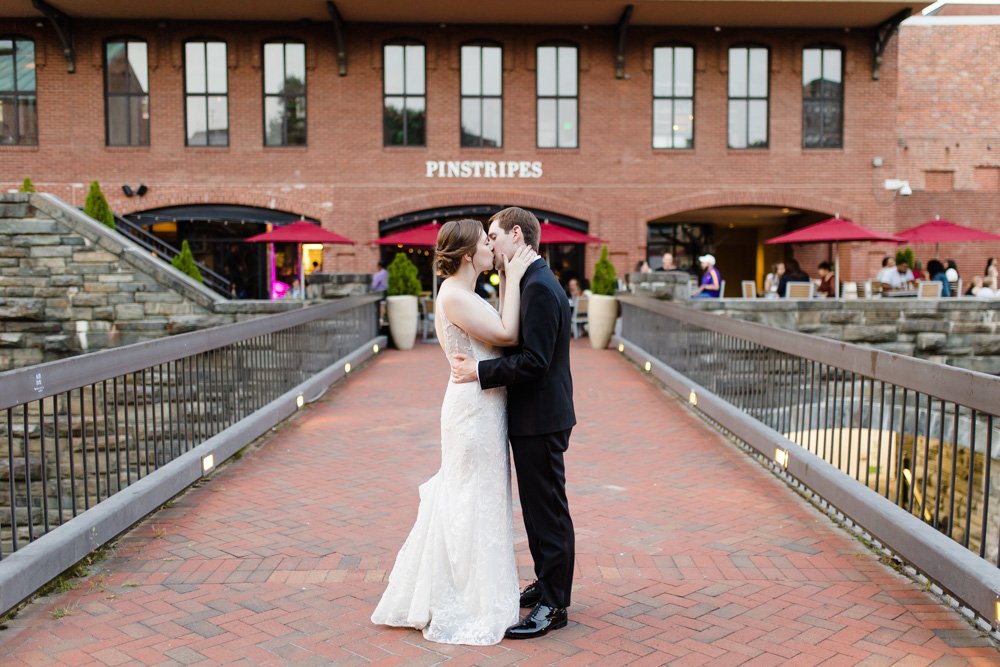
{"x": 284, "y": 94}
{"x": 126, "y": 87}
{"x": 18, "y": 99}
{"x": 206, "y": 94}
{"x": 482, "y": 95}
{"x": 748, "y": 83}
{"x": 404, "y": 88}
{"x": 673, "y": 97}
{"x": 822, "y": 98}
{"x": 557, "y": 74}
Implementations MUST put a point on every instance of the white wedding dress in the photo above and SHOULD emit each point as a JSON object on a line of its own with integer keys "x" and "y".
{"x": 455, "y": 577}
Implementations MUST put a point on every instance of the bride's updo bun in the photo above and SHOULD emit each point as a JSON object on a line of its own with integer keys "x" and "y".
{"x": 456, "y": 239}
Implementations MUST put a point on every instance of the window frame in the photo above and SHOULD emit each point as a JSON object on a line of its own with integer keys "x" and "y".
{"x": 126, "y": 39}
{"x": 823, "y": 47}
{"x": 284, "y": 42}
{"x": 748, "y": 98}
{"x": 405, "y": 95}
{"x": 673, "y": 98}
{"x": 17, "y": 94}
{"x": 204, "y": 42}
{"x": 480, "y": 44}
{"x": 576, "y": 98}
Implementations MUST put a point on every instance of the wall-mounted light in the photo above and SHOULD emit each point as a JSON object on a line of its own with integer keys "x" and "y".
{"x": 142, "y": 190}
{"x": 902, "y": 187}
{"x": 127, "y": 189}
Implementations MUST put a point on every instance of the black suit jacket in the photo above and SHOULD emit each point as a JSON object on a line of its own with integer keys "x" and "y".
{"x": 536, "y": 372}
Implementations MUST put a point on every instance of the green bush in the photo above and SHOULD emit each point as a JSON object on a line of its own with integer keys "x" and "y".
{"x": 28, "y": 186}
{"x": 905, "y": 255}
{"x": 605, "y": 282}
{"x": 97, "y": 207}
{"x": 185, "y": 262}
{"x": 403, "y": 277}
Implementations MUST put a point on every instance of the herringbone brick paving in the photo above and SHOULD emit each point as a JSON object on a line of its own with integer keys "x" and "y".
{"x": 688, "y": 552}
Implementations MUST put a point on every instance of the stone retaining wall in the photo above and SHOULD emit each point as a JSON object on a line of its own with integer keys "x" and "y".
{"x": 68, "y": 285}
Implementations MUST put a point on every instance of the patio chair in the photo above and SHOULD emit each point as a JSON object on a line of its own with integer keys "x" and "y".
{"x": 427, "y": 318}
{"x": 748, "y": 289}
{"x": 929, "y": 289}
{"x": 799, "y": 290}
{"x": 849, "y": 290}
{"x": 578, "y": 318}
{"x": 956, "y": 287}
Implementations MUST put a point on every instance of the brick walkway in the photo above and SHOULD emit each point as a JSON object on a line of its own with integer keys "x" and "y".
{"x": 688, "y": 552}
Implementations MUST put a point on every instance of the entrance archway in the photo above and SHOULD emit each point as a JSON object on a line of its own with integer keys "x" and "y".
{"x": 215, "y": 234}
{"x": 735, "y": 235}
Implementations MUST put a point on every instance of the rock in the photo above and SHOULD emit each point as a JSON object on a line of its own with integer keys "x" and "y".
{"x": 22, "y": 309}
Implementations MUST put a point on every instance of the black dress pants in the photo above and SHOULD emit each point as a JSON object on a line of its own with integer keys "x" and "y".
{"x": 541, "y": 483}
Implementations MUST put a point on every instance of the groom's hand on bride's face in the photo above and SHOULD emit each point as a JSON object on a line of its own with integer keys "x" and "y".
{"x": 463, "y": 369}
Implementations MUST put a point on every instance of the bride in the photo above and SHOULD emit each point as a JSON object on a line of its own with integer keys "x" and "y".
{"x": 455, "y": 577}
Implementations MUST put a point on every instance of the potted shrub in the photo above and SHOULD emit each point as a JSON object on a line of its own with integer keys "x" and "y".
{"x": 404, "y": 288}
{"x": 603, "y": 310}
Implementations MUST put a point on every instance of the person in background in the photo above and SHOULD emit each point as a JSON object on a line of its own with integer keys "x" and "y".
{"x": 711, "y": 280}
{"x": 888, "y": 268}
{"x": 772, "y": 279}
{"x": 642, "y": 266}
{"x": 918, "y": 270}
{"x": 935, "y": 269}
{"x": 901, "y": 277}
{"x": 380, "y": 280}
{"x": 826, "y": 278}
{"x": 952, "y": 271}
{"x": 668, "y": 262}
{"x": 991, "y": 274}
{"x": 978, "y": 288}
{"x": 793, "y": 274}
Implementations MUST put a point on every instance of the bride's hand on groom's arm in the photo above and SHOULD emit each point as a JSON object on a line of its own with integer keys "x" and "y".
{"x": 463, "y": 369}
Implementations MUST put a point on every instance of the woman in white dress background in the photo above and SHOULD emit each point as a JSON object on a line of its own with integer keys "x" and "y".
{"x": 455, "y": 577}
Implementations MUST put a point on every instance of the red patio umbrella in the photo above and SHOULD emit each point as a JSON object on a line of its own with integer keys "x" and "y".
{"x": 300, "y": 231}
{"x": 943, "y": 231}
{"x": 425, "y": 235}
{"x": 556, "y": 234}
{"x": 834, "y": 230}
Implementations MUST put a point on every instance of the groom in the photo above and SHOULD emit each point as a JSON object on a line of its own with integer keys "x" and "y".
{"x": 540, "y": 418}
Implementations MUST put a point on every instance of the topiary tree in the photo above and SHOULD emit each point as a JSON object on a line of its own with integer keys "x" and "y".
{"x": 905, "y": 255}
{"x": 97, "y": 207}
{"x": 27, "y": 186}
{"x": 605, "y": 281}
{"x": 403, "y": 277}
{"x": 185, "y": 262}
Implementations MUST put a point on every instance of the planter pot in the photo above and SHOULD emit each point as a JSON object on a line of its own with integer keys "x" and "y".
{"x": 601, "y": 315}
{"x": 403, "y": 318}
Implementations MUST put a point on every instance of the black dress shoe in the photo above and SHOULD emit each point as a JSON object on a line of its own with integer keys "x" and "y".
{"x": 541, "y": 619}
{"x": 531, "y": 595}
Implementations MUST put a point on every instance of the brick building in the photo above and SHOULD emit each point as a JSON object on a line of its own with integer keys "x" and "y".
{"x": 691, "y": 127}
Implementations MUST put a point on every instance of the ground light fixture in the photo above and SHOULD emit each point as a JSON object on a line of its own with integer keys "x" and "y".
{"x": 375, "y": 348}
{"x": 648, "y": 366}
{"x": 781, "y": 458}
{"x": 621, "y": 347}
{"x": 693, "y": 398}
{"x": 207, "y": 463}
{"x": 347, "y": 367}
{"x": 300, "y": 401}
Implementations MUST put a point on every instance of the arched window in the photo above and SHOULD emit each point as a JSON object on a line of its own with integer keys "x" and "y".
{"x": 557, "y": 75}
{"x": 18, "y": 96}
{"x": 126, "y": 91}
{"x": 673, "y": 96}
{"x": 482, "y": 94}
{"x": 748, "y": 96}
{"x": 404, "y": 93}
{"x": 284, "y": 93}
{"x": 822, "y": 97}
{"x": 206, "y": 93}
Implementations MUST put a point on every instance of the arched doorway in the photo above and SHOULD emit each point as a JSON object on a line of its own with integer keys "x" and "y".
{"x": 735, "y": 235}
{"x": 567, "y": 261}
{"x": 215, "y": 234}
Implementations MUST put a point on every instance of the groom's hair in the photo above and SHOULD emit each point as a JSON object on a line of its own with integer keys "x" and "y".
{"x": 456, "y": 239}
{"x": 526, "y": 220}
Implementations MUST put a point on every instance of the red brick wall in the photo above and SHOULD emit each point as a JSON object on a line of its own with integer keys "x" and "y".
{"x": 347, "y": 179}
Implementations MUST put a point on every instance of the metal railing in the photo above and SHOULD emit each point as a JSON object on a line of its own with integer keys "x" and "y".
{"x": 913, "y": 435}
{"x": 80, "y": 430}
{"x": 160, "y": 248}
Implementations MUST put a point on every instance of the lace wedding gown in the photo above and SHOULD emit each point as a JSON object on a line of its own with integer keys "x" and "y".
{"x": 455, "y": 576}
